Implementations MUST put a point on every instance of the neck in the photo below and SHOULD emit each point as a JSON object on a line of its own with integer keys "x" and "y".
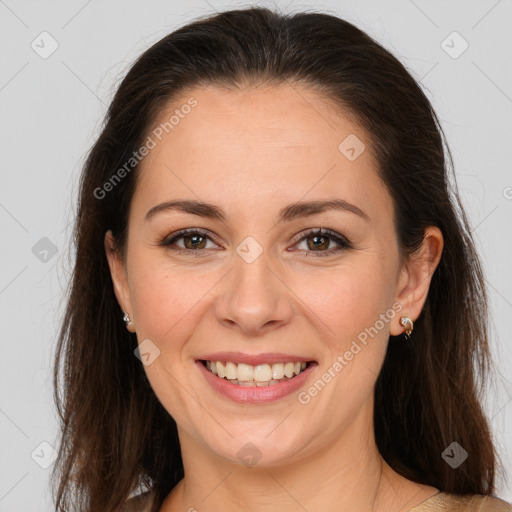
{"x": 348, "y": 473}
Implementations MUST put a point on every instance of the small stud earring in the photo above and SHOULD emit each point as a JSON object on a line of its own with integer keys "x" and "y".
{"x": 128, "y": 321}
{"x": 408, "y": 324}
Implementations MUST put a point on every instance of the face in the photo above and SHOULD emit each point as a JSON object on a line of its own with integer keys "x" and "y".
{"x": 262, "y": 283}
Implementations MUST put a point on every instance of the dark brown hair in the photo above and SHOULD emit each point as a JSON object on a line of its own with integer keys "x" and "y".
{"x": 115, "y": 433}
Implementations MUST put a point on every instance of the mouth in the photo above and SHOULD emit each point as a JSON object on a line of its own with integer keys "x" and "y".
{"x": 262, "y": 378}
{"x": 260, "y": 375}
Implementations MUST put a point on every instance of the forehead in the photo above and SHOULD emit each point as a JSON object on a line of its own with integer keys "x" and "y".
{"x": 257, "y": 144}
{"x": 275, "y": 119}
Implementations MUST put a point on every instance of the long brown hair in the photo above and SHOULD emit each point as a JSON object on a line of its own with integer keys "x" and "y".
{"x": 115, "y": 434}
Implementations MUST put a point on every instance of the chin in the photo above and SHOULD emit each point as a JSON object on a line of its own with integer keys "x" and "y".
{"x": 252, "y": 449}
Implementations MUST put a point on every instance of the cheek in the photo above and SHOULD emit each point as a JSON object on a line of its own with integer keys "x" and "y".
{"x": 347, "y": 299}
{"x": 166, "y": 299}
{"x": 168, "y": 304}
{"x": 355, "y": 313}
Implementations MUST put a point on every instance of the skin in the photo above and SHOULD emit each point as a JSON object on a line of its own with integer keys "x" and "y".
{"x": 251, "y": 153}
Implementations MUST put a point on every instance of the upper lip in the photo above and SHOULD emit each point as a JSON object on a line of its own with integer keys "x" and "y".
{"x": 254, "y": 359}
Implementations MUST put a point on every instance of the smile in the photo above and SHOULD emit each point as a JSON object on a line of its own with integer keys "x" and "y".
{"x": 258, "y": 375}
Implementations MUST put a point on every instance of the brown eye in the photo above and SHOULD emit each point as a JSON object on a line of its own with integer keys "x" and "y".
{"x": 193, "y": 240}
{"x": 318, "y": 242}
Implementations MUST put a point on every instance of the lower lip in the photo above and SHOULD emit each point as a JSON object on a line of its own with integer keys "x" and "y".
{"x": 255, "y": 394}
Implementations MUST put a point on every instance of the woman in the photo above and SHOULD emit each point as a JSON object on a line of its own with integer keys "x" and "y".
{"x": 276, "y": 302}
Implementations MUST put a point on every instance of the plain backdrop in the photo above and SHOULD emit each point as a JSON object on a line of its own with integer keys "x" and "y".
{"x": 60, "y": 63}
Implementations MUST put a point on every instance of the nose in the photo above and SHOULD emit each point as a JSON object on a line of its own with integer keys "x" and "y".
{"x": 254, "y": 298}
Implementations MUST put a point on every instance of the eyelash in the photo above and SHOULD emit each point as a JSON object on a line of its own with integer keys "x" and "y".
{"x": 343, "y": 242}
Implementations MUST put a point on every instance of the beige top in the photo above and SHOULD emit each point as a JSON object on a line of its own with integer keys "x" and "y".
{"x": 440, "y": 502}
{"x": 462, "y": 503}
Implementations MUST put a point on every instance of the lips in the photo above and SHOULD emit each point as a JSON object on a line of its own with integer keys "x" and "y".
{"x": 259, "y": 393}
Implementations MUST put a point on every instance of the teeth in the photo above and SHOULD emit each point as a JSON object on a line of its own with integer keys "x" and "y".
{"x": 262, "y": 373}
{"x": 278, "y": 371}
{"x": 259, "y": 375}
{"x": 221, "y": 369}
{"x": 289, "y": 370}
{"x": 231, "y": 371}
{"x": 245, "y": 372}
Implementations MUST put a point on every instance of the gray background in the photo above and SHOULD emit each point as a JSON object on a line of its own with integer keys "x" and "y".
{"x": 52, "y": 109}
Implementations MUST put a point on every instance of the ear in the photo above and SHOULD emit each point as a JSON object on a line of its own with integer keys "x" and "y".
{"x": 119, "y": 277}
{"x": 414, "y": 279}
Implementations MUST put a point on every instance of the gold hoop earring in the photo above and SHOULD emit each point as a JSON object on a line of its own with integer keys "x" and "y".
{"x": 408, "y": 324}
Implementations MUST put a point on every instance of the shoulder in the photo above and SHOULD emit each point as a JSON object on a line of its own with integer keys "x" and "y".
{"x": 139, "y": 503}
{"x": 462, "y": 503}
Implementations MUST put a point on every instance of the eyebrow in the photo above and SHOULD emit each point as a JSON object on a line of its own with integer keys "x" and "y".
{"x": 286, "y": 214}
